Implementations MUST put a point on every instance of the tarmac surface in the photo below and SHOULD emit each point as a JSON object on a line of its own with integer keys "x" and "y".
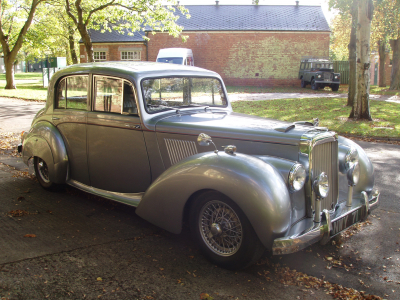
{"x": 72, "y": 245}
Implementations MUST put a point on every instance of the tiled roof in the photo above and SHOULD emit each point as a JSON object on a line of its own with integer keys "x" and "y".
{"x": 114, "y": 36}
{"x": 254, "y": 17}
{"x": 236, "y": 18}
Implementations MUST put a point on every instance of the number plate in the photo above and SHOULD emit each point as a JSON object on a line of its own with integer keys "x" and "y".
{"x": 348, "y": 220}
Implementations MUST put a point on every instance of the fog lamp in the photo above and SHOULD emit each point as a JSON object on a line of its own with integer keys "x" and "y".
{"x": 353, "y": 175}
{"x": 351, "y": 158}
{"x": 321, "y": 185}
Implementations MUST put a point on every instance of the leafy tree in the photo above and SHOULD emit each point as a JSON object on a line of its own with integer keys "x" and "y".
{"x": 15, "y": 19}
{"x": 120, "y": 14}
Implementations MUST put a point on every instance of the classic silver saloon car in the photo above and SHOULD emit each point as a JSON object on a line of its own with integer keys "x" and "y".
{"x": 163, "y": 138}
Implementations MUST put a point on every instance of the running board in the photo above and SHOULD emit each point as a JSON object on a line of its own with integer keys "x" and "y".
{"x": 132, "y": 199}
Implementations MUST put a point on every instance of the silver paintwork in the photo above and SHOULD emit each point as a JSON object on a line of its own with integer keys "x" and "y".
{"x": 153, "y": 161}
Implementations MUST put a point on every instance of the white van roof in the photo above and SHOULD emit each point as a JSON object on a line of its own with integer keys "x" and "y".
{"x": 174, "y": 52}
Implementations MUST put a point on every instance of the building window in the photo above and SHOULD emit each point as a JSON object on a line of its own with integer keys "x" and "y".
{"x": 99, "y": 55}
{"x": 130, "y": 55}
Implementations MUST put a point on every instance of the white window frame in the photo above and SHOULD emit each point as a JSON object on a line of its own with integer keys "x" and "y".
{"x": 139, "y": 55}
{"x": 100, "y": 55}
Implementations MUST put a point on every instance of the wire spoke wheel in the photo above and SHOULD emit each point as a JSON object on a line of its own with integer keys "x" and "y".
{"x": 220, "y": 228}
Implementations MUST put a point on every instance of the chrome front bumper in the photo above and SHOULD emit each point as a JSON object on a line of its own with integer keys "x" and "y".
{"x": 343, "y": 217}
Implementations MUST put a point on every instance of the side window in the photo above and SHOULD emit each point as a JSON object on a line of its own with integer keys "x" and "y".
{"x": 72, "y": 93}
{"x": 77, "y": 92}
{"x": 61, "y": 94}
{"x": 107, "y": 94}
{"x": 129, "y": 100}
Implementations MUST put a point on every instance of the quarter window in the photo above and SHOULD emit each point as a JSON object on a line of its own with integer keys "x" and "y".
{"x": 130, "y": 55}
{"x": 99, "y": 55}
{"x": 72, "y": 93}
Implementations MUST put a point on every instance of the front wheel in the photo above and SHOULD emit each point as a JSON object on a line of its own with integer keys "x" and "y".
{"x": 335, "y": 87}
{"x": 223, "y": 232}
{"x": 314, "y": 85}
{"x": 42, "y": 174}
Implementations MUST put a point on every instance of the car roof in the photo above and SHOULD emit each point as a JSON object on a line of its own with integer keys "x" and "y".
{"x": 136, "y": 69}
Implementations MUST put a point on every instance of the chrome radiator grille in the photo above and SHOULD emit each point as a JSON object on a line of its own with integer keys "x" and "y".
{"x": 327, "y": 76}
{"x": 178, "y": 149}
{"x": 324, "y": 158}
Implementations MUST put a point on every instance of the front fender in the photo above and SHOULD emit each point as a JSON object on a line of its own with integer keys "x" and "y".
{"x": 255, "y": 186}
{"x": 367, "y": 179}
{"x": 45, "y": 141}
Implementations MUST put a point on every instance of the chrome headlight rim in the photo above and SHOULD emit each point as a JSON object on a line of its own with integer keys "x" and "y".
{"x": 297, "y": 177}
{"x": 321, "y": 185}
{"x": 350, "y": 158}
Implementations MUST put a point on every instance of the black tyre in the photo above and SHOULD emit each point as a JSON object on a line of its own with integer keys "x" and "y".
{"x": 42, "y": 174}
{"x": 303, "y": 83}
{"x": 335, "y": 87}
{"x": 314, "y": 85}
{"x": 223, "y": 232}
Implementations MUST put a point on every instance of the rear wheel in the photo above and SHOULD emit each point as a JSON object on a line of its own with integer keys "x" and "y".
{"x": 314, "y": 85}
{"x": 303, "y": 83}
{"x": 223, "y": 232}
{"x": 42, "y": 174}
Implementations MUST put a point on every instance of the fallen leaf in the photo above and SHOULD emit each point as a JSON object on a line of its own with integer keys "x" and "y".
{"x": 30, "y": 235}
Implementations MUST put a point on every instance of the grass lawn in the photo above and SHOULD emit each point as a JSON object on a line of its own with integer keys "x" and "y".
{"x": 343, "y": 89}
{"x": 332, "y": 113}
{"x": 29, "y": 86}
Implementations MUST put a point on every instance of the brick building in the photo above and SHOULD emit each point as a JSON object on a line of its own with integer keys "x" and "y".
{"x": 245, "y": 44}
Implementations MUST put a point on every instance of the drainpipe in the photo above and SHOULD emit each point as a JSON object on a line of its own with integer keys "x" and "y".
{"x": 147, "y": 47}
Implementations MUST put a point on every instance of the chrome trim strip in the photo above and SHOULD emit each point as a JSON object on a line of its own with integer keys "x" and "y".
{"x": 321, "y": 232}
{"x": 132, "y": 199}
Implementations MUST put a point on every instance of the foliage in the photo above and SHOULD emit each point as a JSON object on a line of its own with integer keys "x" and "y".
{"x": 341, "y": 27}
{"x": 332, "y": 113}
{"x": 49, "y": 33}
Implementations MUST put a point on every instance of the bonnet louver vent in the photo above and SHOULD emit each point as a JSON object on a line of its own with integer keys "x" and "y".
{"x": 179, "y": 149}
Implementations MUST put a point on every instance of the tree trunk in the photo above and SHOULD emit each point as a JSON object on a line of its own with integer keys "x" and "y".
{"x": 382, "y": 60}
{"x": 87, "y": 41}
{"x": 9, "y": 65}
{"x": 361, "y": 105}
{"x": 72, "y": 50}
{"x": 353, "y": 56}
{"x": 395, "y": 75}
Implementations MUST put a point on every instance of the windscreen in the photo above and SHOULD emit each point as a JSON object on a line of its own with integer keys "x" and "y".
{"x": 177, "y": 92}
{"x": 171, "y": 60}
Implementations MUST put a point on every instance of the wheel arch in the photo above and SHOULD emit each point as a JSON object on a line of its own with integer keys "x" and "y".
{"x": 45, "y": 141}
{"x": 255, "y": 186}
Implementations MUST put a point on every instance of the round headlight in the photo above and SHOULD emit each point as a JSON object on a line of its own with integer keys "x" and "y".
{"x": 321, "y": 185}
{"x": 319, "y": 75}
{"x": 351, "y": 158}
{"x": 353, "y": 175}
{"x": 297, "y": 177}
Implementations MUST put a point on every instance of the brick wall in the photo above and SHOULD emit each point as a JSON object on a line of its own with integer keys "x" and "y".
{"x": 248, "y": 58}
{"x": 113, "y": 50}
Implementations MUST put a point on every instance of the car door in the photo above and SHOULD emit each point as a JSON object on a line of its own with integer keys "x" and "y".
{"x": 69, "y": 116}
{"x": 117, "y": 155}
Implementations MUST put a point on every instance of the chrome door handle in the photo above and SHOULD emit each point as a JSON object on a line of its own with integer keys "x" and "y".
{"x": 55, "y": 118}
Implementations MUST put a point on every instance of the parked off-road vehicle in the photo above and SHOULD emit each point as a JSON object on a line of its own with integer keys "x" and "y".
{"x": 319, "y": 73}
